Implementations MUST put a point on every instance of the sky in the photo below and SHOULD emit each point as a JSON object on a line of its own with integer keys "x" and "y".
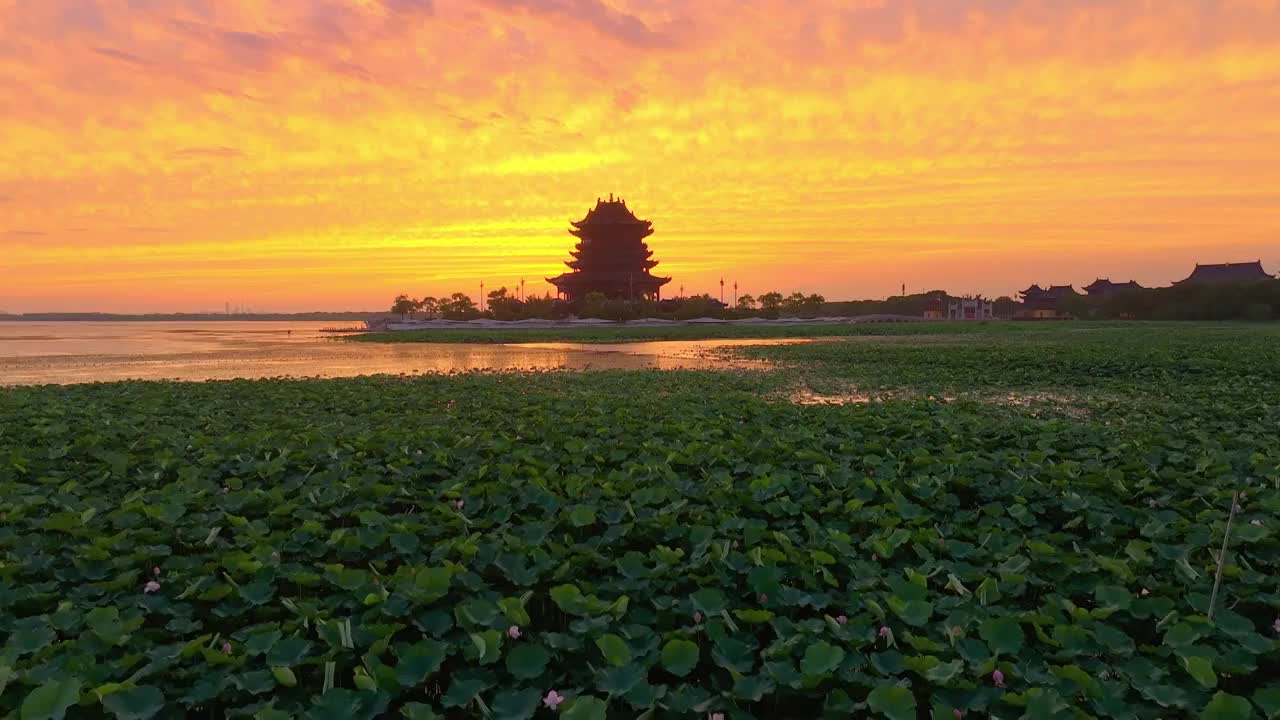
{"x": 179, "y": 155}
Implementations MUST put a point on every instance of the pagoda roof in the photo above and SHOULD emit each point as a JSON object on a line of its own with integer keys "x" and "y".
{"x": 1105, "y": 285}
{"x": 1227, "y": 272}
{"x": 610, "y": 212}
{"x": 620, "y": 277}
{"x": 1053, "y": 291}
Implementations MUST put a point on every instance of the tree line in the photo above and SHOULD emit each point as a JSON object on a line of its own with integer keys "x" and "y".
{"x": 501, "y": 304}
{"x": 1254, "y": 301}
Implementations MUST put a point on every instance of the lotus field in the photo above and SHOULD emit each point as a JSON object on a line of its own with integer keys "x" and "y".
{"x": 1005, "y": 522}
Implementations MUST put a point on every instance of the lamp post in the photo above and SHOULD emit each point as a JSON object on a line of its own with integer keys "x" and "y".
{"x": 481, "y": 296}
{"x": 735, "y": 293}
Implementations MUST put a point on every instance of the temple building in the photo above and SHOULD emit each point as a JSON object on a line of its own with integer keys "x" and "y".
{"x": 1104, "y": 286}
{"x": 977, "y": 308}
{"x": 1045, "y": 304}
{"x": 1226, "y": 272}
{"x": 611, "y": 256}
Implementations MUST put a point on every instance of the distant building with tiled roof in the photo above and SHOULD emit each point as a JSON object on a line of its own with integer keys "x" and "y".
{"x": 1103, "y": 286}
{"x": 1227, "y": 272}
{"x": 1045, "y": 303}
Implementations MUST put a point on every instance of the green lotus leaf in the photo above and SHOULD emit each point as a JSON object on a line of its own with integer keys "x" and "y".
{"x": 288, "y": 652}
{"x": 584, "y": 707}
{"x": 679, "y": 657}
{"x": 821, "y": 658}
{"x": 515, "y": 704}
{"x": 31, "y": 635}
{"x": 137, "y": 703}
{"x": 912, "y": 612}
{"x": 285, "y": 676}
{"x": 51, "y": 700}
{"x": 892, "y": 701}
{"x": 418, "y": 711}
{"x": 1200, "y": 668}
{"x": 620, "y": 680}
{"x": 527, "y": 660}
{"x": 582, "y": 516}
{"x": 343, "y": 704}
{"x": 614, "y": 649}
{"x": 1002, "y": 635}
{"x": 1268, "y": 700}
{"x": 1223, "y": 706}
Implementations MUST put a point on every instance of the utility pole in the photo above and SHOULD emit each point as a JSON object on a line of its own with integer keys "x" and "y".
{"x": 735, "y": 293}
{"x": 682, "y": 291}
{"x": 522, "y": 295}
{"x": 481, "y": 296}
{"x": 721, "y": 290}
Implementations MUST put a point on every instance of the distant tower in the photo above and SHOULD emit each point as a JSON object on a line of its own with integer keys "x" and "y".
{"x": 611, "y": 256}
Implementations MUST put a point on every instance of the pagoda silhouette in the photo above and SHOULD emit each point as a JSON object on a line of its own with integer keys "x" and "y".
{"x": 611, "y": 256}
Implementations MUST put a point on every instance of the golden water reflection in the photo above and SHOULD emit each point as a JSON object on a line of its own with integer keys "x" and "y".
{"x": 64, "y": 353}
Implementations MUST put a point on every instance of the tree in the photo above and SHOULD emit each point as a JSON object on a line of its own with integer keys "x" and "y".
{"x": 746, "y": 302}
{"x": 404, "y": 306}
{"x": 770, "y": 304}
{"x": 503, "y": 306}
{"x": 594, "y": 305}
{"x": 544, "y": 308}
{"x": 429, "y": 306}
{"x": 459, "y": 306}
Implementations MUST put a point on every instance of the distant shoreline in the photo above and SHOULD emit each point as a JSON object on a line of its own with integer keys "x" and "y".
{"x": 189, "y": 317}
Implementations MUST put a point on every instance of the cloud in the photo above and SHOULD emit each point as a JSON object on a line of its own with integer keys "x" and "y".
{"x": 218, "y": 152}
{"x": 619, "y": 25}
{"x": 407, "y": 7}
{"x": 121, "y": 55}
{"x": 25, "y": 233}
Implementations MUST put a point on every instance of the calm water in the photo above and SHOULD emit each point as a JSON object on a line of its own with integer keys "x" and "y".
{"x": 75, "y": 352}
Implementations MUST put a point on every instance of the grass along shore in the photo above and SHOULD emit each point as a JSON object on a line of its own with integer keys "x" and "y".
{"x": 1025, "y": 520}
{"x": 642, "y": 333}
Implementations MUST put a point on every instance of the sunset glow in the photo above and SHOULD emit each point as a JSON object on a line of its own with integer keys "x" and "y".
{"x": 160, "y": 155}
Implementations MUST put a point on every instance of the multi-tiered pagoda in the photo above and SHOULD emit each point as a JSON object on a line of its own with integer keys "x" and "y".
{"x": 611, "y": 256}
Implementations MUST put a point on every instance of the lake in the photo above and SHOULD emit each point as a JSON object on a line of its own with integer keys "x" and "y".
{"x": 33, "y": 353}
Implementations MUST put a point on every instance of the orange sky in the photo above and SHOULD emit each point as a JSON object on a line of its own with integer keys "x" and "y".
{"x": 328, "y": 154}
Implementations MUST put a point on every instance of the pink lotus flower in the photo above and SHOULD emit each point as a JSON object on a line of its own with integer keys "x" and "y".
{"x": 155, "y": 571}
{"x": 842, "y": 619}
{"x": 697, "y": 616}
{"x": 715, "y": 716}
{"x": 764, "y": 598}
{"x": 884, "y": 631}
{"x": 553, "y": 699}
{"x": 226, "y": 648}
{"x": 957, "y": 713}
{"x": 151, "y": 587}
{"x": 1145, "y": 592}
{"x": 1276, "y": 626}
{"x": 513, "y": 632}
{"x": 997, "y": 677}
{"x": 459, "y": 504}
